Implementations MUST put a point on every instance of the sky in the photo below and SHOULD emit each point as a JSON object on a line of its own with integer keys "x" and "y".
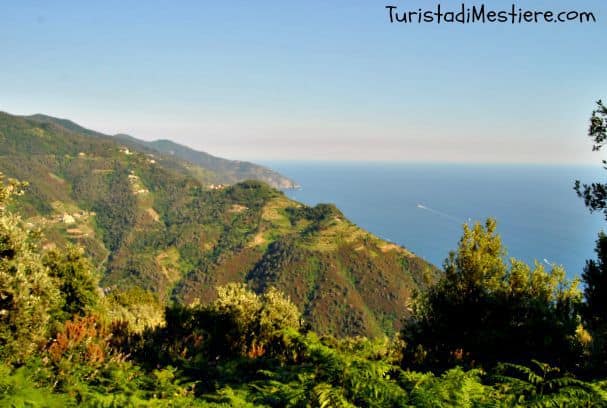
{"x": 311, "y": 80}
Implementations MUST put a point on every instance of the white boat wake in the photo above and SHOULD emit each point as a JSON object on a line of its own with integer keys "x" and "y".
{"x": 440, "y": 213}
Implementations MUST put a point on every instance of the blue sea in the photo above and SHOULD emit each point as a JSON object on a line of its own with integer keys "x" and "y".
{"x": 423, "y": 206}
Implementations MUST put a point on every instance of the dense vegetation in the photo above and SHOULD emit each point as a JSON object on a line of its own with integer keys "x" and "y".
{"x": 488, "y": 333}
{"x": 531, "y": 310}
{"x": 160, "y": 231}
{"x": 61, "y": 345}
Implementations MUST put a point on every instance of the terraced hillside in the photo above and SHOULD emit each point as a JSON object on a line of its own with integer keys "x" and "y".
{"x": 160, "y": 232}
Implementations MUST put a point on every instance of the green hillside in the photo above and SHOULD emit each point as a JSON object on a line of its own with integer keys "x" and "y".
{"x": 228, "y": 171}
{"x": 161, "y": 233}
{"x": 223, "y": 171}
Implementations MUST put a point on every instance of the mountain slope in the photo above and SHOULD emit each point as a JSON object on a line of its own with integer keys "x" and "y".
{"x": 230, "y": 171}
{"x": 159, "y": 233}
{"x": 225, "y": 171}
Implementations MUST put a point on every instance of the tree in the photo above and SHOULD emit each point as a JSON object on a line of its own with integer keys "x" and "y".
{"x": 594, "y": 309}
{"x": 483, "y": 311}
{"x": 250, "y": 322}
{"x": 76, "y": 280}
{"x": 28, "y": 294}
{"x": 595, "y": 194}
{"x": 116, "y": 210}
{"x": 239, "y": 323}
{"x": 479, "y": 259}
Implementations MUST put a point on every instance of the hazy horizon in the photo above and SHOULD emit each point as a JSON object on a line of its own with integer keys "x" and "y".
{"x": 310, "y": 81}
{"x": 268, "y": 161}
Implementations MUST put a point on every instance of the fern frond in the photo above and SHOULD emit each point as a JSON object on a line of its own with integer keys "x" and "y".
{"x": 328, "y": 397}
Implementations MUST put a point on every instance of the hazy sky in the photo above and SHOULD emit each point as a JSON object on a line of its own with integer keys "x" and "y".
{"x": 310, "y": 79}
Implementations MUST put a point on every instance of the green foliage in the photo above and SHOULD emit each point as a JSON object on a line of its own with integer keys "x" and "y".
{"x": 543, "y": 386}
{"x": 595, "y": 279}
{"x": 134, "y": 306}
{"x": 594, "y": 309}
{"x": 240, "y": 308}
{"x": 19, "y": 388}
{"x": 238, "y": 323}
{"x": 277, "y": 313}
{"x": 331, "y": 375}
{"x": 595, "y": 194}
{"x": 255, "y": 193}
{"x": 28, "y": 294}
{"x": 478, "y": 260}
{"x": 454, "y": 388}
{"x": 77, "y": 282}
{"x": 116, "y": 210}
{"x": 318, "y": 215}
{"x": 481, "y": 305}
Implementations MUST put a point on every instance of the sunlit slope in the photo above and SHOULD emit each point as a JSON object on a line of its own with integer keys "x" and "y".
{"x": 157, "y": 230}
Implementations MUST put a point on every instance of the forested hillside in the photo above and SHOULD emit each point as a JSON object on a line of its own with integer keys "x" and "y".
{"x": 161, "y": 231}
{"x": 61, "y": 343}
